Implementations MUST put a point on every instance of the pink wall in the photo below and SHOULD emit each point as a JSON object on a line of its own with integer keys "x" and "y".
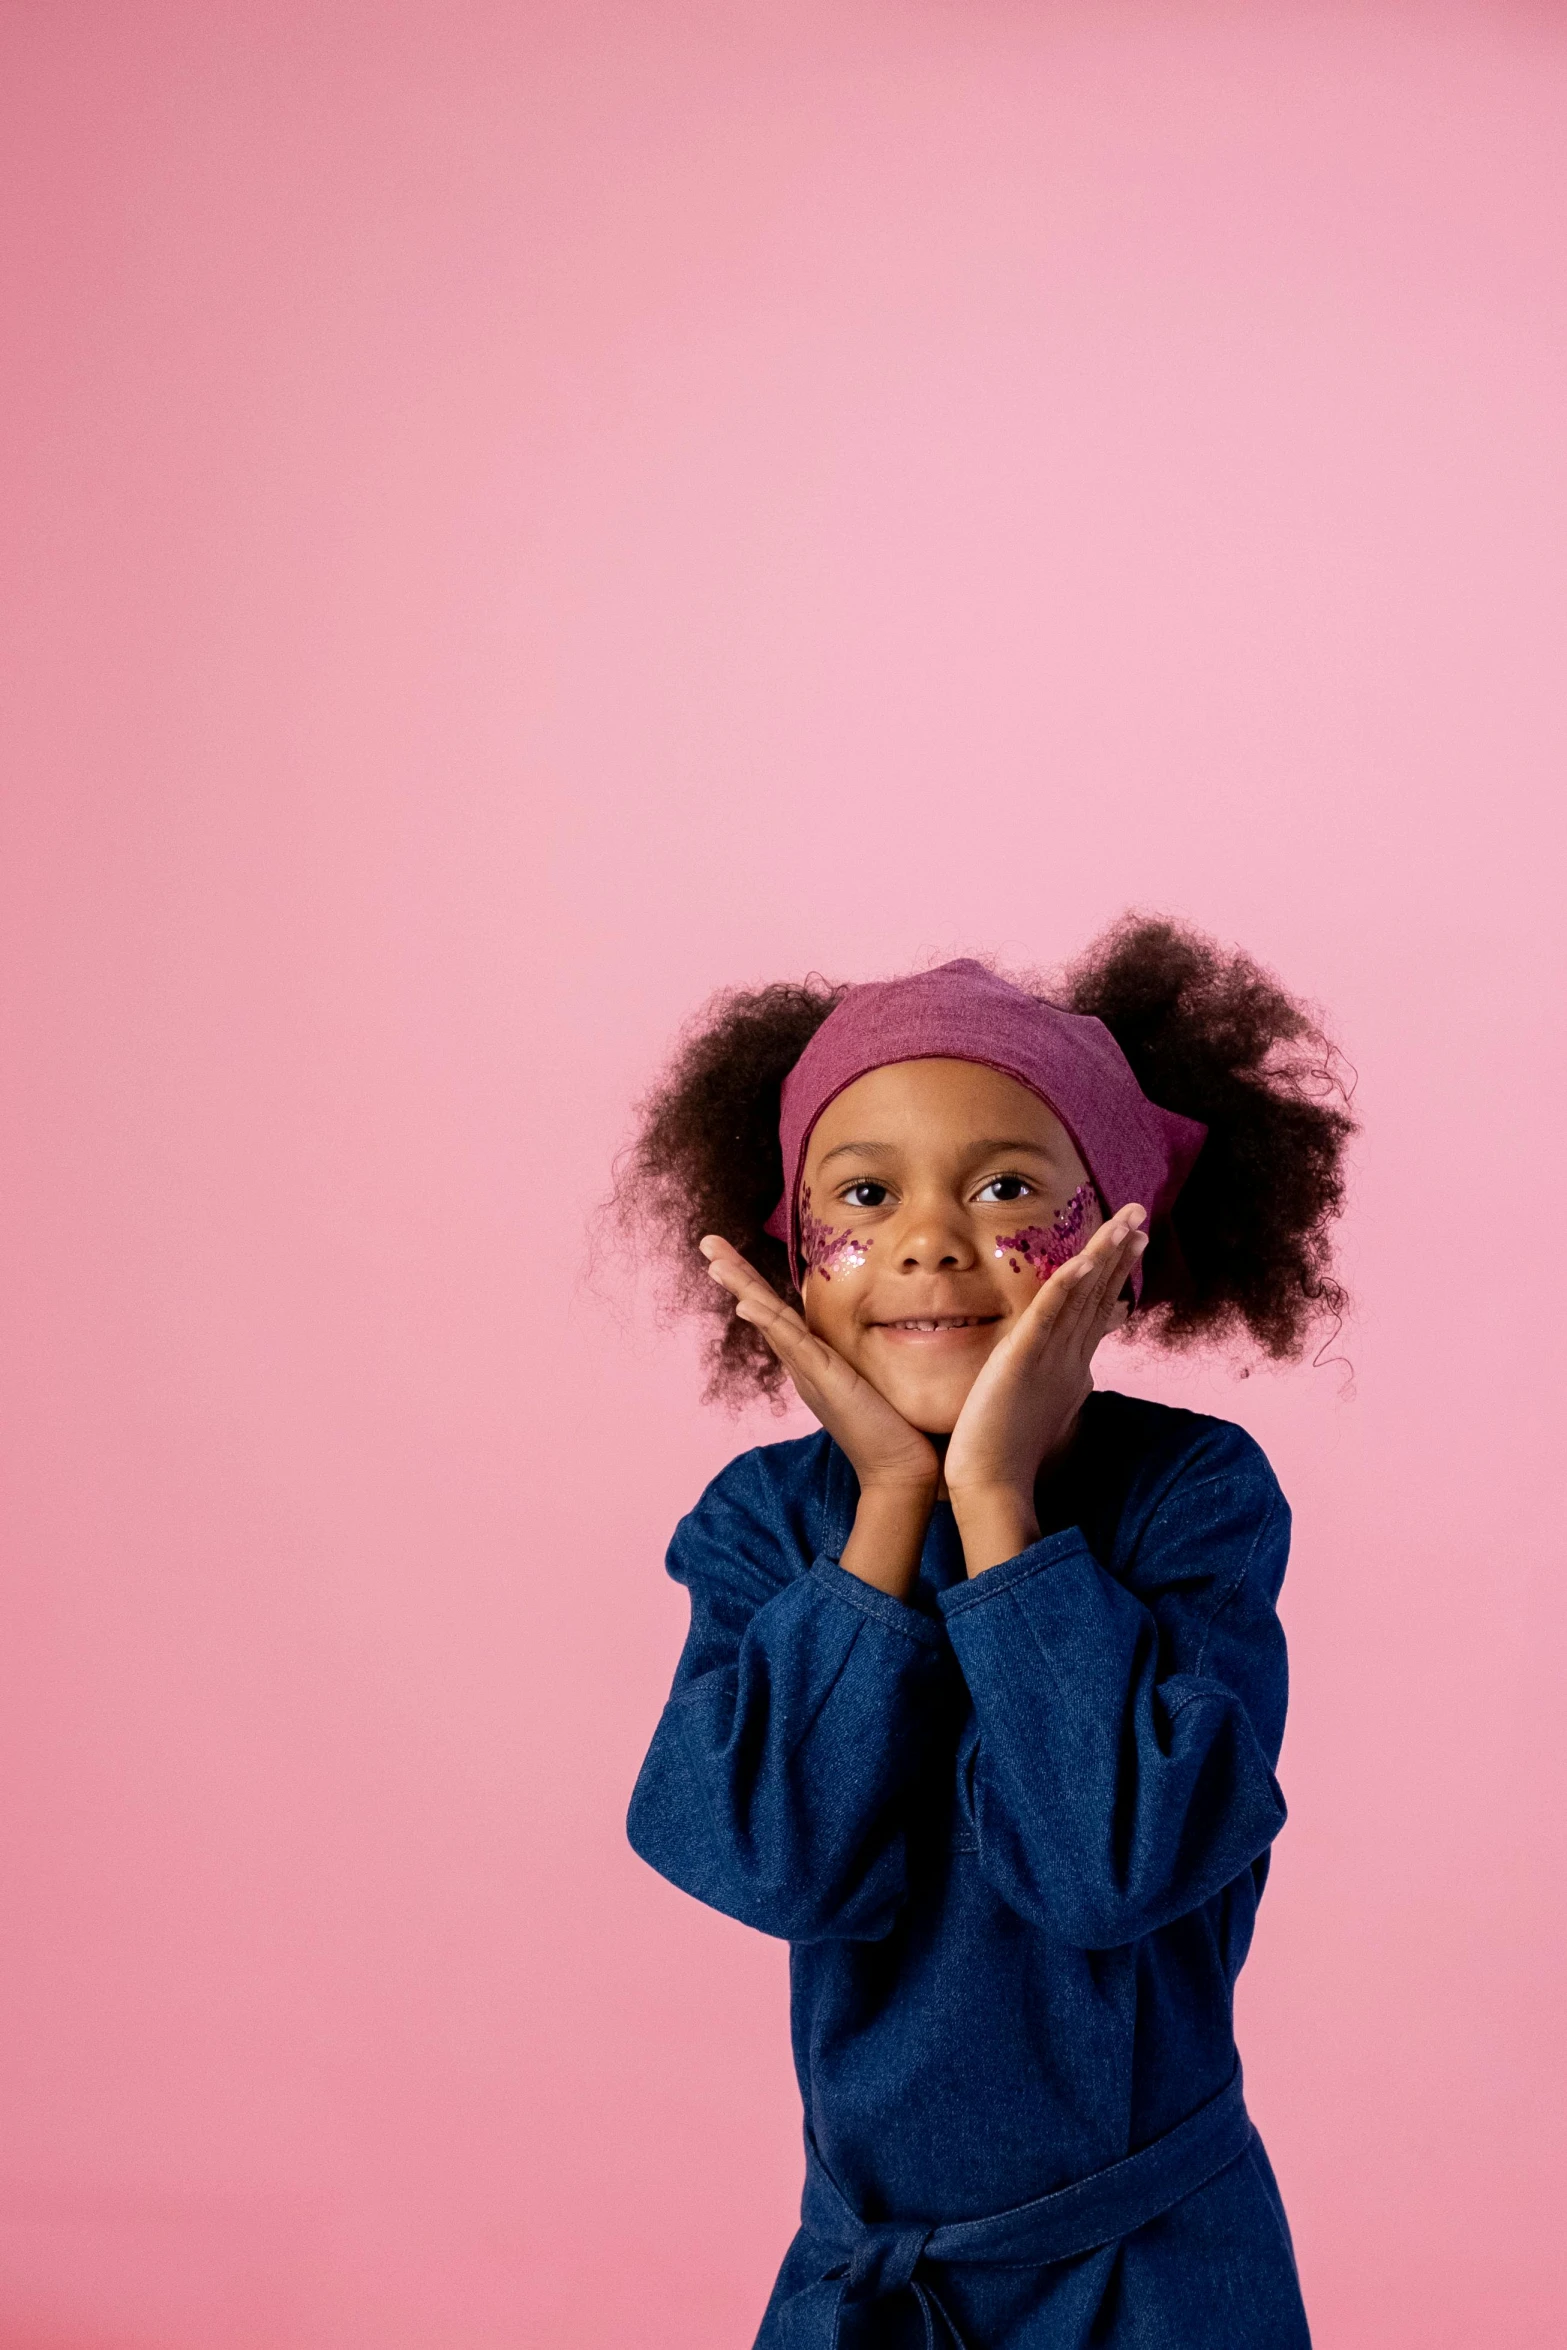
{"x": 520, "y": 514}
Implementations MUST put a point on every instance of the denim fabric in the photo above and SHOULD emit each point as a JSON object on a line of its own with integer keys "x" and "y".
{"x": 1015, "y": 1832}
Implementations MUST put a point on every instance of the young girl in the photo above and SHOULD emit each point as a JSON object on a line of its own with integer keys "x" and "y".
{"x": 984, "y": 1686}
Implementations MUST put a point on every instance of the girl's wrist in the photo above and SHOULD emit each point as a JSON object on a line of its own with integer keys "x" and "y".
{"x": 994, "y": 1523}
{"x": 889, "y": 1535}
{"x": 916, "y": 1491}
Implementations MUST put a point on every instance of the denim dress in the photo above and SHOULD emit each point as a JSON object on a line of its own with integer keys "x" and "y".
{"x": 1015, "y": 1831}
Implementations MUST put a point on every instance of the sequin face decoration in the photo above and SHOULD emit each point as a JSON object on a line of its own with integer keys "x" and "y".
{"x": 823, "y": 1248}
{"x": 1044, "y": 1247}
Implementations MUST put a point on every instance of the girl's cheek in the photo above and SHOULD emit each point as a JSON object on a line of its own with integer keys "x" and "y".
{"x": 825, "y": 1248}
{"x": 1042, "y": 1248}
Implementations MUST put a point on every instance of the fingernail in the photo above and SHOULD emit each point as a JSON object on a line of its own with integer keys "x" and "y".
{"x": 707, "y": 1246}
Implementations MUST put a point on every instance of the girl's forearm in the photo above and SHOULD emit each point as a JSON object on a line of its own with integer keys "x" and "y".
{"x": 888, "y": 1536}
{"x": 994, "y": 1526}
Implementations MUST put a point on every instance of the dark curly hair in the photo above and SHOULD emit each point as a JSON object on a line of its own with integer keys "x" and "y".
{"x": 1207, "y": 1031}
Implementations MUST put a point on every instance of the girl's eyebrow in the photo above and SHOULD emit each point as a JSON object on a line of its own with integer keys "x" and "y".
{"x": 873, "y": 1150}
{"x": 979, "y": 1150}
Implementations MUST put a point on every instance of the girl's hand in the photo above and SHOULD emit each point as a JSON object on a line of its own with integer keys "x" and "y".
{"x": 895, "y": 1464}
{"x": 1022, "y": 1410}
{"x": 887, "y": 1454}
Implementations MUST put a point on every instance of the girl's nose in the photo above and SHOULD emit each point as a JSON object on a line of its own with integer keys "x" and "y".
{"x": 935, "y": 1238}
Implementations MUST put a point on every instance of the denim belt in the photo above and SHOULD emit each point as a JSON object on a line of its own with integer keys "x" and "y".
{"x": 867, "y": 2261}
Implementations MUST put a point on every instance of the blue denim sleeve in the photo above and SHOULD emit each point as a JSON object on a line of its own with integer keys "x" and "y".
{"x": 772, "y": 1788}
{"x": 1128, "y": 1722}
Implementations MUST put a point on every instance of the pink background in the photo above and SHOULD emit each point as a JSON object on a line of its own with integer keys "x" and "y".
{"x": 520, "y": 515}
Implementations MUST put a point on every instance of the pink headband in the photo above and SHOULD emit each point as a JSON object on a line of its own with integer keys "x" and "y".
{"x": 962, "y": 1012}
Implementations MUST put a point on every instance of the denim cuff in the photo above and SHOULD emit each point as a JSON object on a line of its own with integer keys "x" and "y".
{"x": 879, "y": 1605}
{"x": 1049, "y": 1551}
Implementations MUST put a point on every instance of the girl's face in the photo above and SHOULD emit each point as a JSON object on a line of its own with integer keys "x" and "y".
{"x": 935, "y": 1198}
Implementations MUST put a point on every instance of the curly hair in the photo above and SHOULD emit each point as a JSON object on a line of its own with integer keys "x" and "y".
{"x": 1207, "y": 1032}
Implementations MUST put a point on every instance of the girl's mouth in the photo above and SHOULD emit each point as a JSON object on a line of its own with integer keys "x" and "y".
{"x": 937, "y": 1326}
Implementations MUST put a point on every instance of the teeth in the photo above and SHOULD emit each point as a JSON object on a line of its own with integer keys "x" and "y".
{"x": 956, "y": 1322}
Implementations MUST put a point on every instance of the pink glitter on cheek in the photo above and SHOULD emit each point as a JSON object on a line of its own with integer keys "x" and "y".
{"x": 1044, "y": 1247}
{"x": 824, "y": 1248}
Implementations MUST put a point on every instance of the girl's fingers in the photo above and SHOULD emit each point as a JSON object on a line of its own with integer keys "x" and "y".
{"x": 809, "y": 1363}
{"x": 1110, "y": 1293}
{"x": 782, "y": 1328}
{"x": 1109, "y": 1277}
{"x": 853, "y": 1411}
{"x": 1072, "y": 1298}
{"x": 1078, "y": 1281}
{"x": 726, "y": 1264}
{"x": 802, "y": 1353}
{"x": 757, "y": 1301}
{"x": 1062, "y": 1297}
{"x": 1121, "y": 1226}
{"x": 729, "y": 1269}
{"x": 825, "y": 1383}
{"x": 1118, "y": 1262}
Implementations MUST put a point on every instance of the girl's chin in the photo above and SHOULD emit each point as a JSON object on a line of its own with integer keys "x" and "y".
{"x": 932, "y": 1410}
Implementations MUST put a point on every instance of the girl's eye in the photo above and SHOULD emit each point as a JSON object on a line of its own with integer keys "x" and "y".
{"x": 864, "y": 1194}
{"x": 1002, "y": 1189}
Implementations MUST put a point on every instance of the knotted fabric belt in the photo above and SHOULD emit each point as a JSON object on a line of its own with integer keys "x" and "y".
{"x": 869, "y": 2261}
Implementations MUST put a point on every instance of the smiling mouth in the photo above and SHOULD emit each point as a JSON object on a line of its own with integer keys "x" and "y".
{"x": 931, "y": 1322}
